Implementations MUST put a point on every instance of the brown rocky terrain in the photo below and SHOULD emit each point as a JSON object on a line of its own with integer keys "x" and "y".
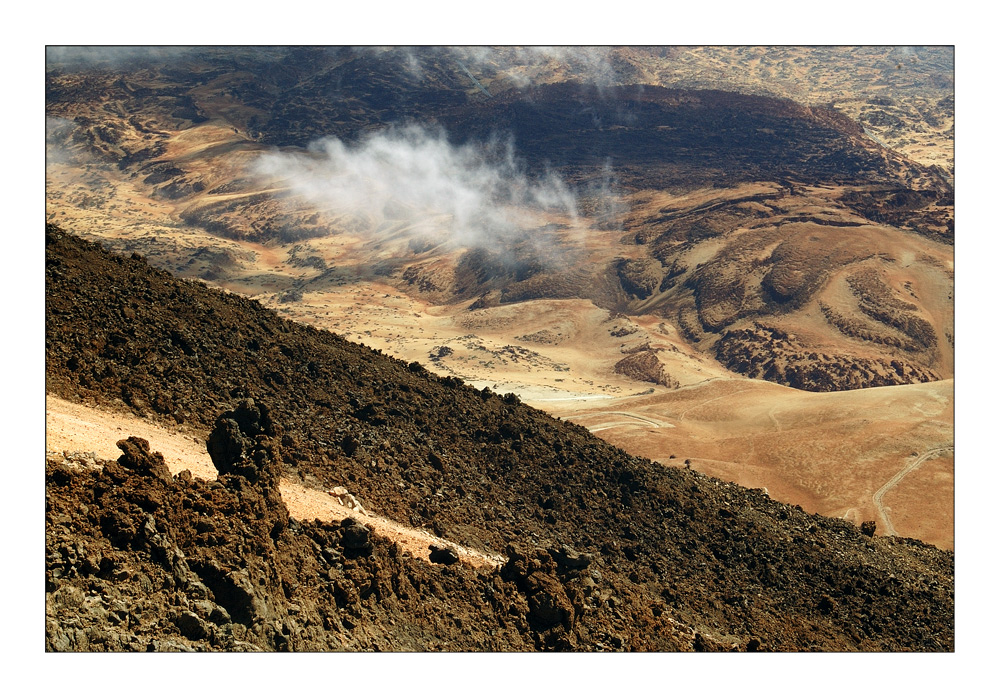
{"x": 602, "y": 550}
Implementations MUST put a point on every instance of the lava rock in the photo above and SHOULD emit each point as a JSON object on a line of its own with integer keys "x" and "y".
{"x": 226, "y": 445}
{"x": 191, "y": 626}
{"x": 443, "y": 555}
{"x": 570, "y": 559}
{"x": 245, "y": 442}
{"x": 137, "y": 458}
{"x": 355, "y": 537}
{"x": 548, "y": 602}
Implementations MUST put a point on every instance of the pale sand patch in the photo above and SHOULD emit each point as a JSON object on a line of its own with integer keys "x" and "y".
{"x": 71, "y": 427}
{"x": 305, "y": 503}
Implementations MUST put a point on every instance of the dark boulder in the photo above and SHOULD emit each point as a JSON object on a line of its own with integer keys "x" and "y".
{"x": 443, "y": 555}
{"x": 355, "y": 538}
{"x": 191, "y": 626}
{"x": 535, "y": 575}
{"x": 548, "y": 602}
{"x": 137, "y": 457}
{"x": 245, "y": 442}
{"x": 226, "y": 445}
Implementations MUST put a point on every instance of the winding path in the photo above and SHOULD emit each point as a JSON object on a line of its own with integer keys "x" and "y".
{"x": 894, "y": 480}
{"x": 608, "y": 425}
{"x": 774, "y": 420}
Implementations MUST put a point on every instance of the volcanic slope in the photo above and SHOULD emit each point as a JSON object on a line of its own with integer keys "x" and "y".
{"x": 603, "y": 550}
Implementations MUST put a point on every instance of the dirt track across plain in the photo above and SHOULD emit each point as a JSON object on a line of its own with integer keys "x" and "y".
{"x": 895, "y": 479}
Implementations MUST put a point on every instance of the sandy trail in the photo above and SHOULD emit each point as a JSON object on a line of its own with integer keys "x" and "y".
{"x": 912, "y": 465}
{"x": 73, "y": 428}
{"x": 638, "y": 420}
{"x": 774, "y": 420}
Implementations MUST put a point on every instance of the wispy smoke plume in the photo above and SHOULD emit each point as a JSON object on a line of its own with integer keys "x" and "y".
{"x": 521, "y": 66}
{"x": 57, "y": 137}
{"x": 469, "y": 195}
{"x": 112, "y": 56}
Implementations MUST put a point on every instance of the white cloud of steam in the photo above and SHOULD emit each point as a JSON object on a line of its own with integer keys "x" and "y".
{"x": 470, "y": 195}
{"x": 520, "y": 66}
{"x": 113, "y": 57}
{"x": 57, "y": 138}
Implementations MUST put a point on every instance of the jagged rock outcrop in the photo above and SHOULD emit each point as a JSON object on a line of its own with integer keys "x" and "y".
{"x": 551, "y": 612}
{"x": 766, "y": 352}
{"x": 137, "y": 458}
{"x": 244, "y": 442}
{"x": 645, "y": 365}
